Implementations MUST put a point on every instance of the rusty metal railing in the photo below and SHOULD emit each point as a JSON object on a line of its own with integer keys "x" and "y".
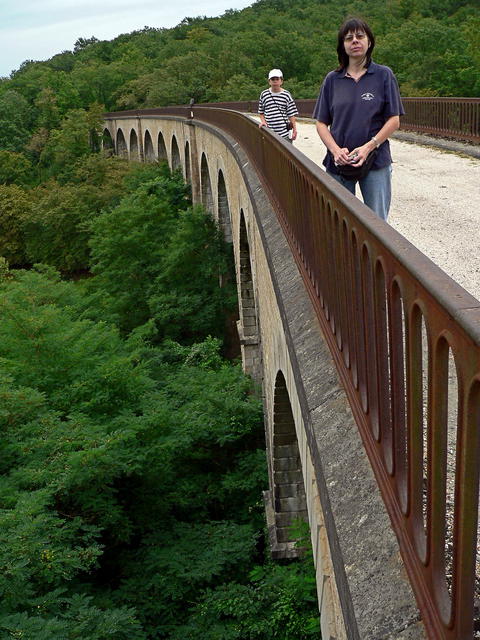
{"x": 406, "y": 341}
{"x": 457, "y": 118}
{"x": 451, "y": 117}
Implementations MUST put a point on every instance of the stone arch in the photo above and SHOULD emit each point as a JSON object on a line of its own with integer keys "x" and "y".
{"x": 122, "y": 149}
{"x": 206, "y": 185}
{"x": 107, "y": 142}
{"x": 176, "y": 161}
{"x": 133, "y": 145}
{"x": 287, "y": 499}
{"x": 248, "y": 324}
{"x": 161, "y": 147}
{"x": 224, "y": 219}
{"x": 188, "y": 170}
{"x": 148, "y": 146}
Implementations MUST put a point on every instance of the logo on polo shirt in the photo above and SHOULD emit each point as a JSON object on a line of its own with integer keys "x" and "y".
{"x": 367, "y": 96}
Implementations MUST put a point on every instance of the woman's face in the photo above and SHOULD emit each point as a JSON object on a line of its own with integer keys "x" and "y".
{"x": 356, "y": 44}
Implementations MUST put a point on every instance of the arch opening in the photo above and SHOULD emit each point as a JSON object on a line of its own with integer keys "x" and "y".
{"x": 224, "y": 219}
{"x": 133, "y": 145}
{"x": 188, "y": 170}
{"x": 247, "y": 325}
{"x": 148, "y": 147}
{"x": 206, "y": 185}
{"x": 122, "y": 150}
{"x": 176, "y": 162}
{"x": 107, "y": 143}
{"x": 287, "y": 496}
{"x": 161, "y": 147}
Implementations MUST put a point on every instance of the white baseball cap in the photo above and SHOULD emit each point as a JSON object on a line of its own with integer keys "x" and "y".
{"x": 275, "y": 73}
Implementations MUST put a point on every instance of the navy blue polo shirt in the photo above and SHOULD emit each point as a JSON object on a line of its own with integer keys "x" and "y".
{"x": 356, "y": 111}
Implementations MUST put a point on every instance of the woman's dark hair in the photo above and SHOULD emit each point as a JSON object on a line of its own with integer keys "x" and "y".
{"x": 353, "y": 24}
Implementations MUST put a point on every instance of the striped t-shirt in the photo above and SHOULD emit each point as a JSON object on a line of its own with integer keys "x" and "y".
{"x": 277, "y": 109}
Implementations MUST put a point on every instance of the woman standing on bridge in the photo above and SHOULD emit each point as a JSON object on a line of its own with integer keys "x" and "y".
{"x": 358, "y": 108}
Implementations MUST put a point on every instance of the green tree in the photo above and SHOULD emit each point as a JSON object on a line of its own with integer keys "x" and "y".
{"x": 158, "y": 258}
{"x": 83, "y": 43}
{"x": 278, "y": 603}
{"x": 186, "y": 298}
{"x": 57, "y": 228}
{"x": 443, "y": 50}
{"x": 129, "y": 242}
{"x": 15, "y": 204}
{"x": 14, "y": 167}
{"x": 15, "y": 121}
{"x": 77, "y": 137}
{"x": 48, "y": 116}
{"x": 88, "y": 438}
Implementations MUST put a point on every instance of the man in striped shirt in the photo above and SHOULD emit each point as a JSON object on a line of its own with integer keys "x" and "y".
{"x": 277, "y": 109}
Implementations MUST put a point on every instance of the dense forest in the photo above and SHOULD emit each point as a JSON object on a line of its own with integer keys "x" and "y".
{"x": 132, "y": 450}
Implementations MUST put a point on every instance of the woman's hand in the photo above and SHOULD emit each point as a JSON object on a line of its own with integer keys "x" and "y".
{"x": 340, "y": 156}
{"x": 357, "y": 156}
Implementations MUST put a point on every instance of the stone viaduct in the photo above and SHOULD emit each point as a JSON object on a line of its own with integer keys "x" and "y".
{"x": 318, "y": 468}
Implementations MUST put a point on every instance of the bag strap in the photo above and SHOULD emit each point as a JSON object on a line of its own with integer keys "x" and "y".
{"x": 278, "y": 108}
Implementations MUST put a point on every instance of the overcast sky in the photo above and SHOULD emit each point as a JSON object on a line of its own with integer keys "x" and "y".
{"x": 38, "y": 29}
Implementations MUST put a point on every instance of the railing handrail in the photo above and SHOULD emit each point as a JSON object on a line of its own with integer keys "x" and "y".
{"x": 455, "y": 117}
{"x": 393, "y": 321}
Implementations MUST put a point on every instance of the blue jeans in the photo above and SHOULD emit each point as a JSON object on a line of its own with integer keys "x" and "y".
{"x": 376, "y": 189}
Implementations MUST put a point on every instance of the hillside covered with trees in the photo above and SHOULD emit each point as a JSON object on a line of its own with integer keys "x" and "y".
{"x": 132, "y": 452}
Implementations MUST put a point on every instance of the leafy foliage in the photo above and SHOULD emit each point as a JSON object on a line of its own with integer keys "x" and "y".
{"x": 131, "y": 464}
{"x": 77, "y": 136}
{"x": 91, "y": 428}
{"x": 15, "y": 205}
{"x": 14, "y": 168}
{"x": 15, "y": 120}
{"x": 159, "y": 258}
{"x": 277, "y": 603}
{"x": 57, "y": 230}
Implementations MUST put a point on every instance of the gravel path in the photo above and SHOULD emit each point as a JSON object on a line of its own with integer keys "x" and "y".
{"x": 435, "y": 205}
